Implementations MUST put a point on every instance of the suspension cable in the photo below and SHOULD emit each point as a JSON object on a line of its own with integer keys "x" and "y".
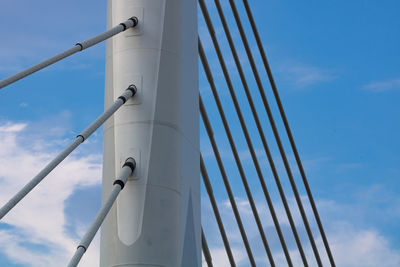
{"x": 288, "y": 131}
{"x": 260, "y": 131}
{"x": 118, "y": 185}
{"x": 80, "y": 138}
{"x": 237, "y": 159}
{"x": 275, "y": 132}
{"x": 206, "y": 250}
{"x": 217, "y": 215}
{"x": 225, "y": 179}
{"x": 247, "y": 137}
{"x": 132, "y": 22}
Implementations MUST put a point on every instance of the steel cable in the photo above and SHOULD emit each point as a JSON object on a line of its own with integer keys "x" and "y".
{"x": 206, "y": 250}
{"x": 261, "y": 132}
{"x": 275, "y": 132}
{"x": 80, "y": 138}
{"x": 225, "y": 179}
{"x": 126, "y": 170}
{"x": 232, "y": 143}
{"x": 132, "y": 22}
{"x": 217, "y": 215}
{"x": 288, "y": 131}
{"x": 237, "y": 159}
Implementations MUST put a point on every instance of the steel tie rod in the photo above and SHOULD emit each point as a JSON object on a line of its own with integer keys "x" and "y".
{"x": 217, "y": 215}
{"x": 288, "y": 131}
{"x": 261, "y": 133}
{"x": 130, "y": 23}
{"x": 225, "y": 179}
{"x": 244, "y": 130}
{"x": 206, "y": 250}
{"x": 275, "y": 131}
{"x": 80, "y": 138}
{"x": 234, "y": 149}
{"x": 127, "y": 169}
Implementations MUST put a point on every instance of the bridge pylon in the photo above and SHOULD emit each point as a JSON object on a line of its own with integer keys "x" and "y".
{"x": 156, "y": 219}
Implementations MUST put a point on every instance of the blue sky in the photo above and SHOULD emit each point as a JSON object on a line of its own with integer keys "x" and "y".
{"x": 337, "y": 67}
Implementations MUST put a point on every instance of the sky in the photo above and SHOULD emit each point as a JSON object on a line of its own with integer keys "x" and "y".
{"x": 337, "y": 68}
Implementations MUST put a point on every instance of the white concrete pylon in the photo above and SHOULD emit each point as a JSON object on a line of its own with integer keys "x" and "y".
{"x": 156, "y": 219}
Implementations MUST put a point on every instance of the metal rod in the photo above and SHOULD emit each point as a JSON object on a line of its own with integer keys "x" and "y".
{"x": 238, "y": 161}
{"x": 206, "y": 250}
{"x": 275, "y": 131}
{"x": 232, "y": 200}
{"x": 241, "y": 118}
{"x": 60, "y": 157}
{"x": 262, "y": 135}
{"x": 288, "y": 131}
{"x": 132, "y": 22}
{"x": 217, "y": 215}
{"x": 119, "y": 183}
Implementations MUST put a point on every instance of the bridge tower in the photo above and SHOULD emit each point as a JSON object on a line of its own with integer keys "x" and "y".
{"x": 156, "y": 219}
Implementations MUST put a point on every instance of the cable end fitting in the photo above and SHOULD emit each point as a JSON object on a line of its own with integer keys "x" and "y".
{"x": 80, "y": 45}
{"x": 120, "y": 183}
{"x": 123, "y": 25}
{"x": 81, "y": 136}
{"x": 82, "y": 246}
{"x": 135, "y": 21}
{"x": 131, "y": 163}
{"x": 132, "y": 88}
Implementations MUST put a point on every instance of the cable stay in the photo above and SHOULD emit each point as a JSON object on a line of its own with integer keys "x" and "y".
{"x": 237, "y": 159}
{"x": 217, "y": 215}
{"x": 130, "y": 164}
{"x": 244, "y": 129}
{"x": 258, "y": 124}
{"x": 206, "y": 250}
{"x": 287, "y": 128}
{"x": 275, "y": 131}
{"x": 130, "y": 23}
{"x": 127, "y": 170}
{"x": 80, "y": 138}
{"x": 225, "y": 179}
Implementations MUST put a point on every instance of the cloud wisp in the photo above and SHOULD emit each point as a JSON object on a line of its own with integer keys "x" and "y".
{"x": 36, "y": 227}
{"x": 383, "y": 86}
{"x": 47, "y": 35}
{"x": 301, "y": 76}
{"x": 351, "y": 243}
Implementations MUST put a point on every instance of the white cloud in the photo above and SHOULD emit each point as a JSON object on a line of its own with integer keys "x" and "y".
{"x": 23, "y": 104}
{"x": 382, "y": 86}
{"x": 36, "y": 227}
{"x": 301, "y": 76}
{"x": 352, "y": 244}
{"x": 362, "y": 247}
{"x": 220, "y": 259}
